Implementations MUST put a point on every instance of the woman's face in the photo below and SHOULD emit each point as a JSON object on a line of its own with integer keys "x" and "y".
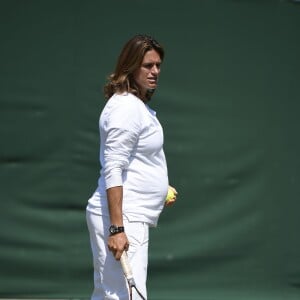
{"x": 146, "y": 76}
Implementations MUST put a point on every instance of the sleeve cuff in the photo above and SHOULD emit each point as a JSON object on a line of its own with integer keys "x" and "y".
{"x": 113, "y": 180}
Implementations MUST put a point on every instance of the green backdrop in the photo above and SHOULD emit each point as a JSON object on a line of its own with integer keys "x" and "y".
{"x": 229, "y": 104}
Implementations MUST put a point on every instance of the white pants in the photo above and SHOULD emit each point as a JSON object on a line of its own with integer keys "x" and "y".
{"x": 109, "y": 281}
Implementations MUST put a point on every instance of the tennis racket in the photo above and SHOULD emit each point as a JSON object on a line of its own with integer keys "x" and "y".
{"x": 129, "y": 276}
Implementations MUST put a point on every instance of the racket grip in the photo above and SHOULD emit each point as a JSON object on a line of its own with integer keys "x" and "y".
{"x": 127, "y": 269}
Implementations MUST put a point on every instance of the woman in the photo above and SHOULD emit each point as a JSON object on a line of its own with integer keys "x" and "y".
{"x": 133, "y": 183}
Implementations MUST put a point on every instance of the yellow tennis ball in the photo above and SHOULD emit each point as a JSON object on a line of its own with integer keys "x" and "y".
{"x": 170, "y": 196}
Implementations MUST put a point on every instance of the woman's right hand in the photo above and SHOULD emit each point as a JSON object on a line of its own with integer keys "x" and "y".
{"x": 118, "y": 243}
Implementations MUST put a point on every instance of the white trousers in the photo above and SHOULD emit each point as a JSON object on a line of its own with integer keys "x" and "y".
{"x": 109, "y": 280}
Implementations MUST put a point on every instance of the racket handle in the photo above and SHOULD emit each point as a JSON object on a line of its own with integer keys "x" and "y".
{"x": 127, "y": 269}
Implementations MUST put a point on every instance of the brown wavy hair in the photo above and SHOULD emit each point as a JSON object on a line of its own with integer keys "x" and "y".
{"x": 129, "y": 61}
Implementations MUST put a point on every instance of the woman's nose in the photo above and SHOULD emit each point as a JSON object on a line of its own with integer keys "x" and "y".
{"x": 155, "y": 69}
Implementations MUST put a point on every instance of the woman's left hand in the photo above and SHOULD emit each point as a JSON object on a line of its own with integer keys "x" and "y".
{"x": 171, "y": 197}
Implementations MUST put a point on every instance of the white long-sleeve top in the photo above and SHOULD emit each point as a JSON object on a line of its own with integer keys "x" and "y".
{"x": 132, "y": 156}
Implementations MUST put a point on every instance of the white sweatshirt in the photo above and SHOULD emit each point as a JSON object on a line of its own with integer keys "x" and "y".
{"x": 132, "y": 156}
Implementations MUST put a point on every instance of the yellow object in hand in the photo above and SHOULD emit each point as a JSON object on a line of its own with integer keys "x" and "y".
{"x": 170, "y": 196}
